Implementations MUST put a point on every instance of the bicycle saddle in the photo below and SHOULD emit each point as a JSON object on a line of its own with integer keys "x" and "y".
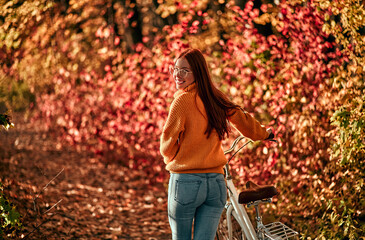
{"x": 256, "y": 192}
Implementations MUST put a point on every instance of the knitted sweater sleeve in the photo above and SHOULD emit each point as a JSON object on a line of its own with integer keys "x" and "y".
{"x": 247, "y": 125}
{"x": 174, "y": 126}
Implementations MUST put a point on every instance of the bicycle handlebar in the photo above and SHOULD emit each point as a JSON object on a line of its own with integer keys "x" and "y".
{"x": 234, "y": 144}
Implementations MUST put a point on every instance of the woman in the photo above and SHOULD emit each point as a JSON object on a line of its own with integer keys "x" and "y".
{"x": 191, "y": 147}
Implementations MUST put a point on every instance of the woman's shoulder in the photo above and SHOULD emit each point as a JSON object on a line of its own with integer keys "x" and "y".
{"x": 183, "y": 99}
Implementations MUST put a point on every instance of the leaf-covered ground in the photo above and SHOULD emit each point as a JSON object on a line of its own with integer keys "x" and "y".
{"x": 85, "y": 200}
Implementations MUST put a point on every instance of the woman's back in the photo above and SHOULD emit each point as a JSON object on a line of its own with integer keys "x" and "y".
{"x": 196, "y": 152}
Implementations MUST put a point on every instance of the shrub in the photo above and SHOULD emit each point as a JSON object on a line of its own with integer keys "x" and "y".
{"x": 10, "y": 219}
{"x": 344, "y": 215}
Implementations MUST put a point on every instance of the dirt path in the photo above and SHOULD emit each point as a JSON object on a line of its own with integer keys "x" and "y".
{"x": 94, "y": 201}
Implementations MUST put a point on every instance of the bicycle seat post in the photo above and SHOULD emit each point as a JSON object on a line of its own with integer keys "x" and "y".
{"x": 259, "y": 224}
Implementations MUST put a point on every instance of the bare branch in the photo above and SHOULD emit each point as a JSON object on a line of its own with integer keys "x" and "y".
{"x": 53, "y": 206}
{"x": 34, "y": 200}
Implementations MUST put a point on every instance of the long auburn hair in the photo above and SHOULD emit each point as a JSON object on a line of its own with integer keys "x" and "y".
{"x": 216, "y": 104}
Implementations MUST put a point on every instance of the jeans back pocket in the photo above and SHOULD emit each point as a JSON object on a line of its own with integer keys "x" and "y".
{"x": 186, "y": 191}
{"x": 223, "y": 190}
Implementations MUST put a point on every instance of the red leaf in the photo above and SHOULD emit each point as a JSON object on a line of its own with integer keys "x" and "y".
{"x": 130, "y": 15}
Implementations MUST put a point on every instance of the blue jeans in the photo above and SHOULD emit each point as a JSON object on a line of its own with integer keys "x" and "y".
{"x": 200, "y": 197}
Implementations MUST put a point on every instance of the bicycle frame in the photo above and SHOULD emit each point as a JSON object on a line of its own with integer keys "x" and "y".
{"x": 232, "y": 205}
{"x": 274, "y": 230}
{"x": 241, "y": 214}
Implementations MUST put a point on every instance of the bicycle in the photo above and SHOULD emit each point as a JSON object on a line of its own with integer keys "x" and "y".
{"x": 240, "y": 227}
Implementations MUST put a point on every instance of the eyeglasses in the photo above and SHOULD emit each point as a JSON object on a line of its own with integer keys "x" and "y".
{"x": 182, "y": 73}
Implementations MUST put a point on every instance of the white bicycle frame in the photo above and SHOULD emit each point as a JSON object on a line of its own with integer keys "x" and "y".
{"x": 238, "y": 211}
{"x": 235, "y": 209}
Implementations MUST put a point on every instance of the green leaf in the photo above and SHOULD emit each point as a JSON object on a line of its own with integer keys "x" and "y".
{"x": 342, "y": 203}
{"x": 13, "y": 217}
{"x": 326, "y": 17}
{"x": 329, "y": 205}
{"x": 4, "y": 204}
{"x": 5, "y": 122}
{"x": 341, "y": 222}
{"x": 340, "y": 114}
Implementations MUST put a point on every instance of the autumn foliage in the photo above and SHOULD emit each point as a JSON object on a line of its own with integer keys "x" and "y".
{"x": 297, "y": 66}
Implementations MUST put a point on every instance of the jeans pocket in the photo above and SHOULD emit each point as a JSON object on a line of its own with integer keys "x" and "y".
{"x": 186, "y": 191}
{"x": 223, "y": 190}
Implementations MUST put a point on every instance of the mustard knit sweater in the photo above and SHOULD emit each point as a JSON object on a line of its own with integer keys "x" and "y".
{"x": 184, "y": 146}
